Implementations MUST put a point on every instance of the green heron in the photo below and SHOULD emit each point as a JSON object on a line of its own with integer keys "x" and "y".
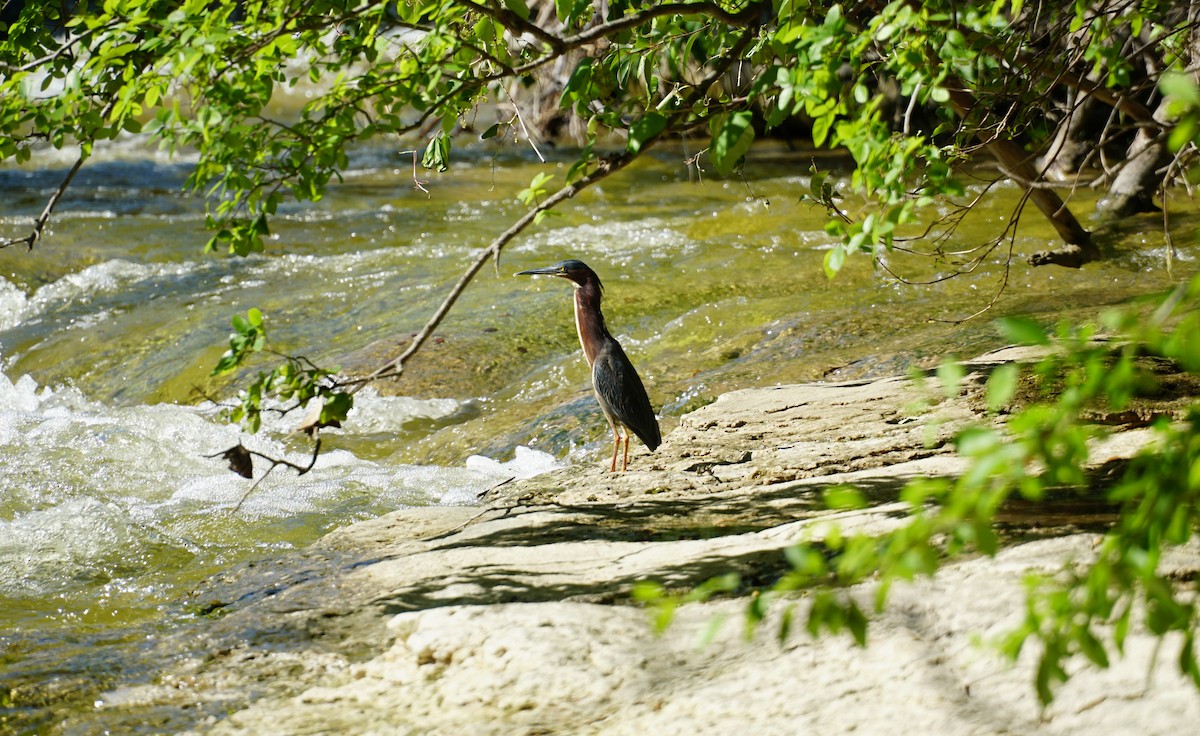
{"x": 618, "y": 388}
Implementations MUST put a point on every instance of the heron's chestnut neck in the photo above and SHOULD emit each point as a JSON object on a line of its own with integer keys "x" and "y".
{"x": 589, "y": 321}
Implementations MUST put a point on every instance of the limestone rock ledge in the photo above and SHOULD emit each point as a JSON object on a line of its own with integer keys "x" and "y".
{"x": 515, "y": 617}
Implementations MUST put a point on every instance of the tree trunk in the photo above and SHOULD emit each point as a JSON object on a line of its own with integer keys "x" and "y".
{"x": 1074, "y": 138}
{"x": 1132, "y": 192}
{"x": 1018, "y": 164}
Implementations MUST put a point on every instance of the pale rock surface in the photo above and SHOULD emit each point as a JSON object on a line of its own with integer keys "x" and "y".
{"x": 516, "y": 617}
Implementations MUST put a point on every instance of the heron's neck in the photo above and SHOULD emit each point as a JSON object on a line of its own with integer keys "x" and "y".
{"x": 589, "y": 321}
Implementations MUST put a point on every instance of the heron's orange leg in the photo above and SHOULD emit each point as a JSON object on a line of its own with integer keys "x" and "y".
{"x": 625, "y": 465}
{"x": 616, "y": 448}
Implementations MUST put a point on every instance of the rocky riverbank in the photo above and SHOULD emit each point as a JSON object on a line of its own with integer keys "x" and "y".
{"x": 515, "y": 617}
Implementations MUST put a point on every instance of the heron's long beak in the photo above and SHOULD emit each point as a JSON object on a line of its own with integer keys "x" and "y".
{"x": 547, "y": 271}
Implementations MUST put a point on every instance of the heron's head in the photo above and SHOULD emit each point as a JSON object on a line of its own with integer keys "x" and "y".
{"x": 576, "y": 271}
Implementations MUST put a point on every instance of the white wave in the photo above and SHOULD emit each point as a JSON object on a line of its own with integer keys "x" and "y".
{"x": 526, "y": 463}
{"x": 375, "y": 413}
{"x": 82, "y": 541}
{"x": 13, "y": 303}
{"x": 133, "y": 147}
{"x": 91, "y": 493}
{"x": 618, "y": 241}
{"x": 106, "y": 277}
{"x": 109, "y": 277}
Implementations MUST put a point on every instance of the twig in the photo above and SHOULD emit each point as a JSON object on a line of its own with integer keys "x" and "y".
{"x": 240, "y": 462}
{"x": 754, "y": 196}
{"x": 751, "y": 16}
{"x": 514, "y": 21}
{"x": 396, "y": 366}
{"x": 417, "y": 183}
{"x": 693, "y": 163}
{"x": 912, "y": 102}
{"x": 521, "y": 120}
{"x": 40, "y": 223}
{"x": 604, "y": 168}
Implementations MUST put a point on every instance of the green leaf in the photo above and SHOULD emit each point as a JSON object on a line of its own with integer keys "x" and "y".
{"x": 1092, "y": 648}
{"x": 226, "y": 364}
{"x": 259, "y": 226}
{"x": 337, "y": 407}
{"x": 1049, "y": 674}
{"x": 786, "y": 621}
{"x": 1023, "y": 331}
{"x": 569, "y": 11}
{"x": 834, "y": 258}
{"x": 951, "y": 374}
{"x": 732, "y": 134}
{"x": 856, "y": 621}
{"x": 842, "y": 498}
{"x": 485, "y": 31}
{"x": 1121, "y": 628}
{"x": 647, "y": 127}
{"x": 519, "y": 7}
{"x": 536, "y": 189}
{"x": 975, "y": 441}
{"x": 1181, "y": 88}
{"x": 1187, "y": 659}
{"x": 248, "y": 336}
{"x": 821, "y": 126}
{"x": 437, "y": 152}
{"x": 1001, "y": 385}
{"x": 816, "y": 185}
{"x": 647, "y": 592}
{"x": 1183, "y": 133}
{"x": 985, "y": 536}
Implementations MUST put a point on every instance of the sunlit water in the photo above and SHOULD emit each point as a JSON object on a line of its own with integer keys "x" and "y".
{"x": 113, "y": 506}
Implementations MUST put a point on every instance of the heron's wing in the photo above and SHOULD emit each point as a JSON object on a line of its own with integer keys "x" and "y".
{"x": 622, "y": 395}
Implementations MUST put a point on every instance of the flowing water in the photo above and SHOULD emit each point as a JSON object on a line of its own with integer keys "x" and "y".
{"x": 112, "y": 507}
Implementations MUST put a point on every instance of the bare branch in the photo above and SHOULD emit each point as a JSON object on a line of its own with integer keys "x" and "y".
{"x": 753, "y": 15}
{"x": 239, "y": 458}
{"x": 39, "y": 225}
{"x": 521, "y": 120}
{"x": 511, "y": 20}
{"x": 604, "y": 168}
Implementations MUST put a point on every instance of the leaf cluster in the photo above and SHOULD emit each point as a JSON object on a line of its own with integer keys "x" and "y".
{"x": 910, "y": 90}
{"x": 295, "y": 379}
{"x": 1087, "y": 608}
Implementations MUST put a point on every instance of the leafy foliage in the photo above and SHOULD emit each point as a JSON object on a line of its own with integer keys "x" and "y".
{"x": 909, "y": 89}
{"x": 296, "y": 379}
{"x": 1044, "y": 446}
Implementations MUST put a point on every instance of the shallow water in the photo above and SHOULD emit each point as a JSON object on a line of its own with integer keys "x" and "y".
{"x": 111, "y": 509}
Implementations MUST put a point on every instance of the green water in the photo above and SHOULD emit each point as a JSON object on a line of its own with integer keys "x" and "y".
{"x": 110, "y": 513}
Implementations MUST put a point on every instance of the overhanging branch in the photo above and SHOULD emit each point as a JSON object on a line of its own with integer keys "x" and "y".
{"x": 605, "y": 168}
{"x": 39, "y": 225}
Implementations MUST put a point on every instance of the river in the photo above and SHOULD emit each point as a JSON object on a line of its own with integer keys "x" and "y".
{"x": 112, "y": 508}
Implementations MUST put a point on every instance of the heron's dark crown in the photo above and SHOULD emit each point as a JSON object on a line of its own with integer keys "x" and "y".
{"x": 576, "y": 271}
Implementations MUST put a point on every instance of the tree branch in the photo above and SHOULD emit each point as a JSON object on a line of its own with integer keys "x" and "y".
{"x": 753, "y": 15}
{"x": 241, "y": 462}
{"x": 396, "y": 366}
{"x": 39, "y": 224}
{"x": 511, "y": 20}
{"x": 605, "y": 167}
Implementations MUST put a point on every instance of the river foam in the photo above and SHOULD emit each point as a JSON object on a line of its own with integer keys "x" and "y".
{"x": 91, "y": 493}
